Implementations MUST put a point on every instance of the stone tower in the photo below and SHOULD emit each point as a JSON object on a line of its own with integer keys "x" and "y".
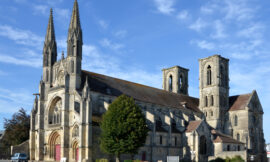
{"x": 175, "y": 79}
{"x": 214, "y": 89}
{"x": 49, "y": 52}
{"x": 74, "y": 48}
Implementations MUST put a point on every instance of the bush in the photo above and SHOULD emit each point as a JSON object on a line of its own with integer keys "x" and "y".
{"x": 234, "y": 159}
{"x": 218, "y": 160}
{"x": 102, "y": 160}
{"x": 128, "y": 160}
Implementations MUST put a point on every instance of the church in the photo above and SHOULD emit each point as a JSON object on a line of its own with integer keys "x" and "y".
{"x": 68, "y": 110}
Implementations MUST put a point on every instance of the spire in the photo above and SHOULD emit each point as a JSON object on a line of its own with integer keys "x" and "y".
{"x": 75, "y": 19}
{"x": 50, "y": 36}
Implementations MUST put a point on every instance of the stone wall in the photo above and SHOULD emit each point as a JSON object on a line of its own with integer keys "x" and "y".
{"x": 21, "y": 148}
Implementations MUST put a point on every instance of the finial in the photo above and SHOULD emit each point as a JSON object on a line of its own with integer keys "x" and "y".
{"x": 63, "y": 55}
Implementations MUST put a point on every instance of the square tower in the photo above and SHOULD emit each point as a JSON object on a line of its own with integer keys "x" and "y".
{"x": 175, "y": 79}
{"x": 214, "y": 89}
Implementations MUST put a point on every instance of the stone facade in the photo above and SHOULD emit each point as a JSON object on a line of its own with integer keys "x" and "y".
{"x": 66, "y": 115}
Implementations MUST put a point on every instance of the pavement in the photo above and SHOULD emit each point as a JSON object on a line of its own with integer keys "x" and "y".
{"x": 5, "y": 160}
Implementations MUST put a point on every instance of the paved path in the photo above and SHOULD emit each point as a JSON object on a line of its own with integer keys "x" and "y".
{"x": 5, "y": 160}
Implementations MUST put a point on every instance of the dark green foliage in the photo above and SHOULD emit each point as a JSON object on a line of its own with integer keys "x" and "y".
{"x": 102, "y": 160}
{"x": 124, "y": 128}
{"x": 16, "y": 129}
{"x": 128, "y": 160}
{"x": 217, "y": 160}
{"x": 234, "y": 159}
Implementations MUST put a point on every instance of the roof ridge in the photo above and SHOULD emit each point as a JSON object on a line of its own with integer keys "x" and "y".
{"x": 177, "y": 94}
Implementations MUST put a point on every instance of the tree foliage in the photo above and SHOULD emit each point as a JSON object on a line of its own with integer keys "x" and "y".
{"x": 17, "y": 128}
{"x": 124, "y": 128}
{"x": 233, "y": 159}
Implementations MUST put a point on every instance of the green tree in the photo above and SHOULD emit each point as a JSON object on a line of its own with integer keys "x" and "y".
{"x": 123, "y": 129}
{"x": 16, "y": 129}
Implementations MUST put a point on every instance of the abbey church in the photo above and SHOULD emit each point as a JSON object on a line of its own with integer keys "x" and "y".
{"x": 68, "y": 110}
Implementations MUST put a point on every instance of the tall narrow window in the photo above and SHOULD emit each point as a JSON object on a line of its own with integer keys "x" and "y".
{"x": 175, "y": 141}
{"x": 228, "y": 147}
{"x": 160, "y": 140}
{"x": 170, "y": 83}
{"x": 238, "y": 137}
{"x": 235, "y": 120}
{"x": 203, "y": 145}
{"x": 180, "y": 82}
{"x": 205, "y": 101}
{"x": 209, "y": 75}
{"x": 212, "y": 100}
{"x": 212, "y": 113}
{"x": 72, "y": 66}
{"x": 221, "y": 77}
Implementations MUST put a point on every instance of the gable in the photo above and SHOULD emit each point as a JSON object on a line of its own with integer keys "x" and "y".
{"x": 239, "y": 102}
{"x": 255, "y": 104}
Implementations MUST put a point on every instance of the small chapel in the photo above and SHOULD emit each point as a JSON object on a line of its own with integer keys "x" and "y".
{"x": 66, "y": 115}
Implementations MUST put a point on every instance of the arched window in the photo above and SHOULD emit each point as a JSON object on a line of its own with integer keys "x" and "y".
{"x": 212, "y": 113}
{"x": 170, "y": 83}
{"x": 205, "y": 101}
{"x": 238, "y": 137}
{"x": 209, "y": 75}
{"x": 238, "y": 148}
{"x": 228, "y": 147}
{"x": 203, "y": 145}
{"x": 175, "y": 141}
{"x": 235, "y": 120}
{"x": 212, "y": 100}
{"x": 55, "y": 111}
{"x": 205, "y": 113}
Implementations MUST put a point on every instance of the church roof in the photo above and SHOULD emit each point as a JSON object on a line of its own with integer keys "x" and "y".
{"x": 222, "y": 138}
{"x": 193, "y": 125}
{"x": 116, "y": 87}
{"x": 239, "y": 102}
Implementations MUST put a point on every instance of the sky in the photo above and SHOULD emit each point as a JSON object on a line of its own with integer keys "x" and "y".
{"x": 134, "y": 40}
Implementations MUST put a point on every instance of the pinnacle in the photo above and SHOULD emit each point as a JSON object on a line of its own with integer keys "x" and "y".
{"x": 75, "y": 19}
{"x": 50, "y": 36}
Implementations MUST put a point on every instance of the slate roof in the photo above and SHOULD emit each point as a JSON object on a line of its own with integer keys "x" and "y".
{"x": 116, "y": 87}
{"x": 239, "y": 102}
{"x": 222, "y": 138}
{"x": 193, "y": 125}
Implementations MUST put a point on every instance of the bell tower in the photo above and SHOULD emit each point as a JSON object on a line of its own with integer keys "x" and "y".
{"x": 74, "y": 48}
{"x": 214, "y": 89}
{"x": 175, "y": 79}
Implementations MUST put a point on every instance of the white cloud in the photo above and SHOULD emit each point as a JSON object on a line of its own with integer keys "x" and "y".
{"x": 204, "y": 44}
{"x": 183, "y": 15}
{"x": 41, "y": 9}
{"x": 219, "y": 30}
{"x": 12, "y": 100}
{"x": 32, "y": 62}
{"x": 103, "y": 24}
{"x": 254, "y": 30}
{"x": 109, "y": 44}
{"x": 96, "y": 61}
{"x": 23, "y": 37}
{"x": 165, "y": 6}
{"x": 198, "y": 25}
{"x": 120, "y": 33}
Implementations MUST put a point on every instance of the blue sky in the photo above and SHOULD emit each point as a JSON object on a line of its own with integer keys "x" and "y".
{"x": 134, "y": 40}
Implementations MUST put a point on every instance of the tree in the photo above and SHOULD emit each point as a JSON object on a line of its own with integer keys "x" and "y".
{"x": 123, "y": 129}
{"x": 17, "y": 128}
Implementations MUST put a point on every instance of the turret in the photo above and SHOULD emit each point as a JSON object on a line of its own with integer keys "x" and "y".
{"x": 49, "y": 52}
{"x": 74, "y": 51}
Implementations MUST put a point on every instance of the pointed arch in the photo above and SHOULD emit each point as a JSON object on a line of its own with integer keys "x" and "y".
{"x": 54, "y": 146}
{"x": 75, "y": 131}
{"x": 170, "y": 83}
{"x": 203, "y": 145}
{"x": 54, "y": 113}
{"x": 75, "y": 150}
{"x": 209, "y": 75}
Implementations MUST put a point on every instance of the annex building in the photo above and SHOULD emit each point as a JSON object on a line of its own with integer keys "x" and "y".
{"x": 66, "y": 116}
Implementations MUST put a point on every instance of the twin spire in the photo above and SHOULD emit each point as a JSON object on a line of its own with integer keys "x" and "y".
{"x": 75, "y": 19}
{"x": 50, "y": 36}
{"x": 74, "y": 23}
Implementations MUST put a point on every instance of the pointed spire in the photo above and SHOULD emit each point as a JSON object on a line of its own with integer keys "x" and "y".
{"x": 63, "y": 56}
{"x": 75, "y": 19}
{"x": 50, "y": 36}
